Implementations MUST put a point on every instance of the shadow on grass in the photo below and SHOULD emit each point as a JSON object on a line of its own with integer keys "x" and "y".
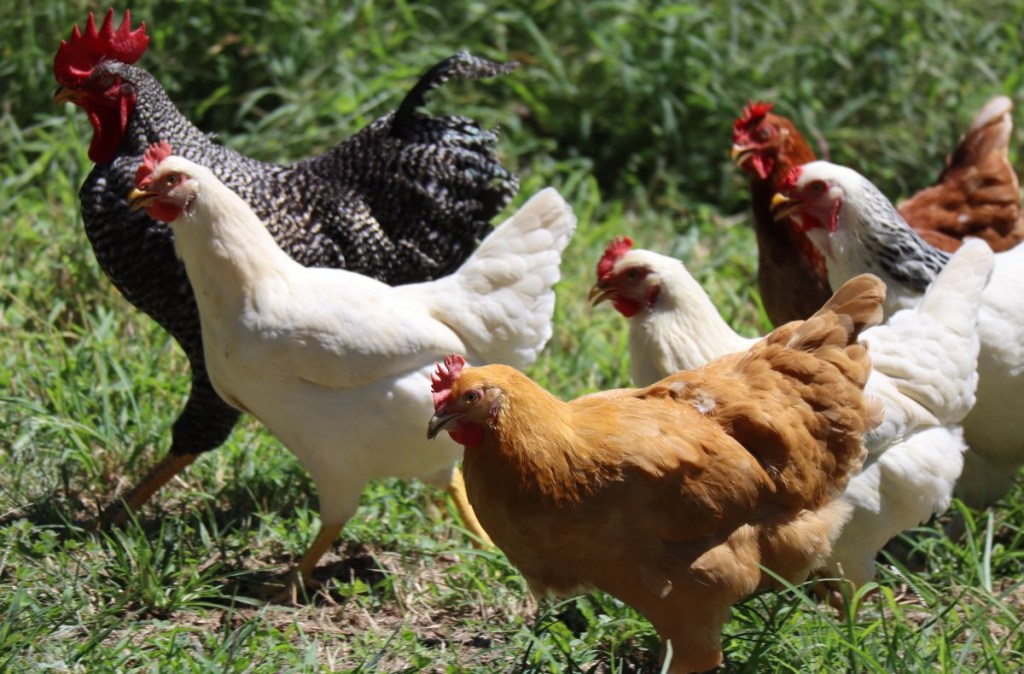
{"x": 357, "y": 572}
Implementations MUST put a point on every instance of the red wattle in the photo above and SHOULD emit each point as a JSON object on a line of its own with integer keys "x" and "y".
{"x": 163, "y": 212}
{"x": 468, "y": 435}
{"x": 626, "y": 306}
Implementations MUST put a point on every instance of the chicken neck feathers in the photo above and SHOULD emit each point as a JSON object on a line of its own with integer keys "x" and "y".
{"x": 791, "y": 274}
{"x": 682, "y": 330}
{"x": 875, "y": 239}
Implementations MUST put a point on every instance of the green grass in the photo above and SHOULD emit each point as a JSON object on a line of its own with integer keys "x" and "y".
{"x": 625, "y": 107}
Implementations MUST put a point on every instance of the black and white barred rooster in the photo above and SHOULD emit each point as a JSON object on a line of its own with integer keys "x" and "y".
{"x": 406, "y": 199}
{"x": 858, "y": 230}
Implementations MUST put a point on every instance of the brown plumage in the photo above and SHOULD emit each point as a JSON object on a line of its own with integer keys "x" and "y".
{"x": 791, "y": 273}
{"x": 669, "y": 497}
{"x": 977, "y": 194}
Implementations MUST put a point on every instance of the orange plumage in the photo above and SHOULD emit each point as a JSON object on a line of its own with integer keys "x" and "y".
{"x": 671, "y": 497}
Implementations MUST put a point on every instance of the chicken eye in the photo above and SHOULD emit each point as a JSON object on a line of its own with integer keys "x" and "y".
{"x": 764, "y": 133}
{"x": 471, "y": 397}
{"x": 632, "y": 274}
{"x": 171, "y": 180}
{"x": 106, "y": 81}
{"x": 816, "y": 188}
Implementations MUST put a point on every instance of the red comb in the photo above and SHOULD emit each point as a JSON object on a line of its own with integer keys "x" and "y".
{"x": 154, "y": 154}
{"x": 792, "y": 176}
{"x": 752, "y": 114}
{"x": 80, "y": 53}
{"x": 441, "y": 381}
{"x": 619, "y": 246}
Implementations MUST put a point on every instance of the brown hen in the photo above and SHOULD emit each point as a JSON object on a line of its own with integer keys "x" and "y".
{"x": 674, "y": 497}
{"x": 977, "y": 194}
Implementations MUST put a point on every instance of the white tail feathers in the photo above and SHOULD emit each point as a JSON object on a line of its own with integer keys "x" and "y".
{"x": 931, "y": 352}
{"x": 997, "y": 110}
{"x": 954, "y": 297}
{"x": 501, "y": 300}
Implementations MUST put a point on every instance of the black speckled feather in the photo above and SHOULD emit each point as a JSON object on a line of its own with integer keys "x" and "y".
{"x": 901, "y": 253}
{"x": 406, "y": 199}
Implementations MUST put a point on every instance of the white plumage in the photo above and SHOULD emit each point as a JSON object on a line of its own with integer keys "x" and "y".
{"x": 868, "y": 235}
{"x": 337, "y": 365}
{"x": 923, "y": 371}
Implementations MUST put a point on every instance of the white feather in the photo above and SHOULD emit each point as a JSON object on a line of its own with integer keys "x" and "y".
{"x": 337, "y": 365}
{"x": 873, "y": 238}
{"x": 924, "y": 364}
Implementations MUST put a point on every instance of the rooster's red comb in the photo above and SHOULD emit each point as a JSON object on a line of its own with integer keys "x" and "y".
{"x": 619, "y": 246}
{"x": 791, "y": 178}
{"x": 80, "y": 53}
{"x": 154, "y": 154}
{"x": 752, "y": 114}
{"x": 441, "y": 381}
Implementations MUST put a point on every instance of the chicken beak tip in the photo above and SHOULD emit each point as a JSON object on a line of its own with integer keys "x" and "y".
{"x": 739, "y": 155}
{"x": 63, "y": 95}
{"x": 137, "y": 199}
{"x": 437, "y": 424}
{"x": 597, "y": 295}
{"x": 783, "y": 206}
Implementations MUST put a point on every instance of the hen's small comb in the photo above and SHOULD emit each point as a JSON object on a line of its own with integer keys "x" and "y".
{"x": 619, "y": 246}
{"x": 79, "y": 54}
{"x": 154, "y": 154}
{"x": 441, "y": 381}
{"x": 791, "y": 178}
{"x": 752, "y": 114}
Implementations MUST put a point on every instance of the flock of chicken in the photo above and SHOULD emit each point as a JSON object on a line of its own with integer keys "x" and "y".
{"x": 319, "y": 297}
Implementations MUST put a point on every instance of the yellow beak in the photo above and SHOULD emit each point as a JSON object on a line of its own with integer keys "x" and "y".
{"x": 138, "y": 199}
{"x": 740, "y": 155}
{"x": 598, "y": 294}
{"x": 783, "y": 207}
{"x": 65, "y": 95}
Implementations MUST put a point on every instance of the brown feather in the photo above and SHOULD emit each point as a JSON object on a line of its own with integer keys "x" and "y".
{"x": 793, "y": 286}
{"x": 674, "y": 496}
{"x": 978, "y": 192}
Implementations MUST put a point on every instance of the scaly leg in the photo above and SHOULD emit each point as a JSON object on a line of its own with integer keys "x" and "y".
{"x": 457, "y": 490}
{"x": 301, "y": 577}
{"x": 171, "y": 465}
{"x": 325, "y": 537}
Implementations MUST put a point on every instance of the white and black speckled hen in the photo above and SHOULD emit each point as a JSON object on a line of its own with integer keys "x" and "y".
{"x": 405, "y": 199}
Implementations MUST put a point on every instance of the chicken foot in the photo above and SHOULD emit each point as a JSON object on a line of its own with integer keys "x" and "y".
{"x": 300, "y": 579}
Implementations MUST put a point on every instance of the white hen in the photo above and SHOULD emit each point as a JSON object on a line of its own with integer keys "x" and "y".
{"x": 337, "y": 365}
{"x": 858, "y": 230}
{"x": 923, "y": 370}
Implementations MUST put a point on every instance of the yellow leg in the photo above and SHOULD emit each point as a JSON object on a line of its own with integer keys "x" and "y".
{"x": 457, "y": 490}
{"x": 171, "y": 465}
{"x": 300, "y": 579}
{"x": 322, "y": 543}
